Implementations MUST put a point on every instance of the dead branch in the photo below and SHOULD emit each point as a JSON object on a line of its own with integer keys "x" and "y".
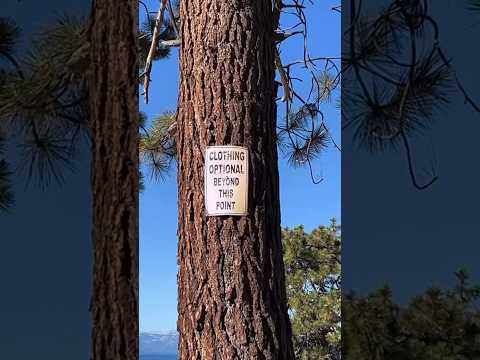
{"x": 283, "y": 76}
{"x": 151, "y": 52}
{"x": 172, "y": 18}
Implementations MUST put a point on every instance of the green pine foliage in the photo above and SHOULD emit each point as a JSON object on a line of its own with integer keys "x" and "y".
{"x": 43, "y": 97}
{"x": 312, "y": 265}
{"x": 44, "y": 101}
{"x": 440, "y": 324}
{"x": 157, "y": 144}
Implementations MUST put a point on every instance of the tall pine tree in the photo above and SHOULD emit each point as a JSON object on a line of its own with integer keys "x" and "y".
{"x": 232, "y": 299}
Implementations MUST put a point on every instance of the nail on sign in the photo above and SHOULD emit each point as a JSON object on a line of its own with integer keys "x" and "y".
{"x": 226, "y": 180}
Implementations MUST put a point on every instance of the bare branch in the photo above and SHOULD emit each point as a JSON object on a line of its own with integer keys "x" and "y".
{"x": 283, "y": 76}
{"x": 151, "y": 52}
{"x": 321, "y": 58}
{"x": 170, "y": 43}
{"x": 172, "y": 18}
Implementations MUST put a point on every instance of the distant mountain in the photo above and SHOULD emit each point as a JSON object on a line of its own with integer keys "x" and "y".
{"x": 159, "y": 342}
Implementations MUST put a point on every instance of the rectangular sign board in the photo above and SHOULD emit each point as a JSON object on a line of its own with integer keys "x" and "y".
{"x": 226, "y": 180}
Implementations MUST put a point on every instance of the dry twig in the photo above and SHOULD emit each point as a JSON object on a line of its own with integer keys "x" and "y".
{"x": 151, "y": 52}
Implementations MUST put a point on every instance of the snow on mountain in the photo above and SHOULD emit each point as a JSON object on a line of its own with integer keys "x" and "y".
{"x": 165, "y": 342}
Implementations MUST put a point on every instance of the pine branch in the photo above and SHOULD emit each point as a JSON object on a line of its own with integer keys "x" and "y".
{"x": 157, "y": 145}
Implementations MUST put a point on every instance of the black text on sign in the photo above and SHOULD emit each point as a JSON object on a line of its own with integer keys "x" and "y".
{"x": 226, "y": 180}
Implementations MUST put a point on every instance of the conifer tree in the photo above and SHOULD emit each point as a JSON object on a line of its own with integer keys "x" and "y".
{"x": 436, "y": 324}
{"x": 312, "y": 265}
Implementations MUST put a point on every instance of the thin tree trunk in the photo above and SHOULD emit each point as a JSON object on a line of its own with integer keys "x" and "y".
{"x": 114, "y": 123}
{"x": 232, "y": 298}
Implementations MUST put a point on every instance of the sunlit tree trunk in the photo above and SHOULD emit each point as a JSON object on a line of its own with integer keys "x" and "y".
{"x": 232, "y": 300}
{"x": 114, "y": 124}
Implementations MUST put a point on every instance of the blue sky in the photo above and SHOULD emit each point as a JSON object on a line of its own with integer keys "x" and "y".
{"x": 302, "y": 202}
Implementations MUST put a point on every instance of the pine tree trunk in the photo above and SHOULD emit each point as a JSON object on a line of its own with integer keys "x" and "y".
{"x": 232, "y": 298}
{"x": 114, "y": 123}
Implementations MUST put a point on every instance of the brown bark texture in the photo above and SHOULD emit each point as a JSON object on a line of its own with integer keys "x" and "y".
{"x": 232, "y": 298}
{"x": 114, "y": 124}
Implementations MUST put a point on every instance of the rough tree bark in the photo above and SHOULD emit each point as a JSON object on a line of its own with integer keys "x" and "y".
{"x": 232, "y": 298}
{"x": 114, "y": 124}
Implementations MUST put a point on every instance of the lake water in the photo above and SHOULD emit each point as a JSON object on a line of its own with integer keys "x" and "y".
{"x": 158, "y": 357}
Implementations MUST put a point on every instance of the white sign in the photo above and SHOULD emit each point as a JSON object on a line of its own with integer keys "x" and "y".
{"x": 226, "y": 180}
